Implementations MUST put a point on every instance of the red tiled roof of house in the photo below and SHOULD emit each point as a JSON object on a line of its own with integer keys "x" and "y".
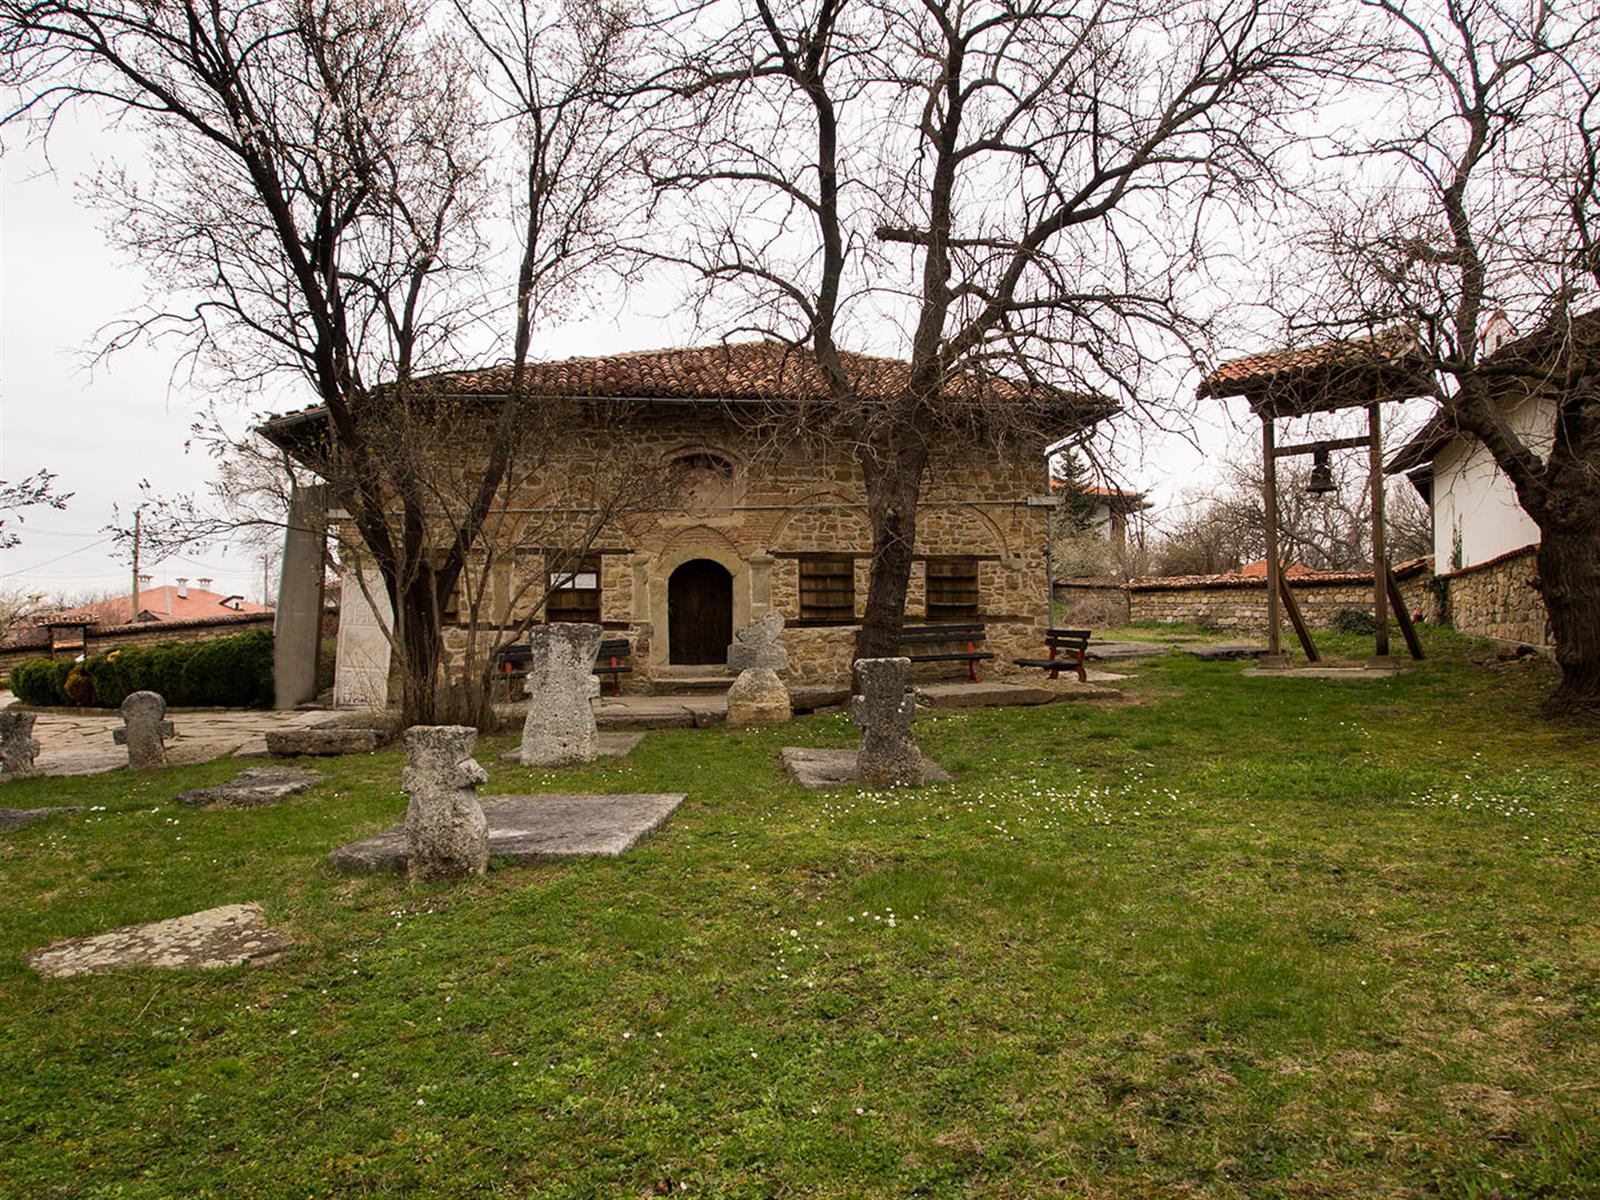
{"x": 1251, "y": 573}
{"x": 161, "y": 604}
{"x": 738, "y": 372}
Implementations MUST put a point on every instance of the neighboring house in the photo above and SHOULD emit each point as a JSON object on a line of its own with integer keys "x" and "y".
{"x": 771, "y": 524}
{"x": 1112, "y": 512}
{"x": 172, "y": 602}
{"x": 1484, "y": 544}
{"x": 165, "y": 614}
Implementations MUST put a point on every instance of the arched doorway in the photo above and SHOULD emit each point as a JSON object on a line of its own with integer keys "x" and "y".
{"x": 699, "y": 612}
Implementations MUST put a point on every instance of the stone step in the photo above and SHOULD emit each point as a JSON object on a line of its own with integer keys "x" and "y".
{"x": 696, "y": 683}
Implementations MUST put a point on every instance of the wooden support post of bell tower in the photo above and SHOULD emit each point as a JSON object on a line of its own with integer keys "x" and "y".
{"x": 1275, "y": 658}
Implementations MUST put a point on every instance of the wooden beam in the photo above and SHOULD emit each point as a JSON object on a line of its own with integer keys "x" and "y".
{"x": 1269, "y": 476}
{"x": 1302, "y": 631}
{"x": 1380, "y": 555}
{"x": 1352, "y": 443}
{"x": 1407, "y": 629}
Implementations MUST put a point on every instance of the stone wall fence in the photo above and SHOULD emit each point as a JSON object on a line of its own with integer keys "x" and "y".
{"x": 101, "y": 639}
{"x": 1499, "y": 598}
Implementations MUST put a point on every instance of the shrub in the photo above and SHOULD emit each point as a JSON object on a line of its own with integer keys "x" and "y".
{"x": 78, "y": 687}
{"x": 42, "y": 681}
{"x": 1355, "y": 620}
{"x": 232, "y": 672}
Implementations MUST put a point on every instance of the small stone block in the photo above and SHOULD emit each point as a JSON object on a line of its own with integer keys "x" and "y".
{"x": 817, "y": 769}
{"x": 535, "y": 829}
{"x": 608, "y": 744}
{"x": 228, "y": 936}
{"x": 253, "y": 788}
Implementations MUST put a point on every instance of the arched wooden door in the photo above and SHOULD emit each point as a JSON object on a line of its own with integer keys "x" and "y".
{"x": 699, "y": 612}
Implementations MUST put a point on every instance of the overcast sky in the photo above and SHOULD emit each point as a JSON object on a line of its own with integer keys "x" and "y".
{"x": 104, "y": 428}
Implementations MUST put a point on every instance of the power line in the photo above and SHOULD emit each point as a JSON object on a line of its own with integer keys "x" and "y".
{"x": 68, "y": 554}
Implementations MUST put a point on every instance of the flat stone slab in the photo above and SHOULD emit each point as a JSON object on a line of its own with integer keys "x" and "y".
{"x": 16, "y": 818}
{"x": 661, "y": 712}
{"x": 289, "y": 743}
{"x": 228, "y": 936}
{"x": 609, "y": 744}
{"x": 1106, "y": 651}
{"x": 1224, "y": 651}
{"x": 253, "y": 788}
{"x": 981, "y": 695}
{"x": 816, "y": 769}
{"x": 1321, "y": 673}
{"x": 535, "y": 829}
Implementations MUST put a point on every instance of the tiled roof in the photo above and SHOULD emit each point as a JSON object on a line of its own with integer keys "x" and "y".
{"x": 1311, "y": 378}
{"x": 738, "y": 372}
{"x": 160, "y": 604}
{"x": 1255, "y": 573}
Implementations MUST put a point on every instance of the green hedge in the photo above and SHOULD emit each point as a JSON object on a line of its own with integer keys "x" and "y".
{"x": 233, "y": 672}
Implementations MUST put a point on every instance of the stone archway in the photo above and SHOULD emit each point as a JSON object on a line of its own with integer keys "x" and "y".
{"x": 699, "y": 613}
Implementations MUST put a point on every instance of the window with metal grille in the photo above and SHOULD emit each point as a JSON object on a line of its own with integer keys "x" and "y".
{"x": 952, "y": 588}
{"x": 575, "y": 590}
{"x": 828, "y": 588}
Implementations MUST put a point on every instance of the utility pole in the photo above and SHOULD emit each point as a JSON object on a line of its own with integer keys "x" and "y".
{"x": 133, "y": 595}
{"x": 266, "y": 581}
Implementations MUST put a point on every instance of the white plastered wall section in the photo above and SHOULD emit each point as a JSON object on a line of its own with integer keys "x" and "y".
{"x": 1474, "y": 503}
{"x": 361, "y": 677}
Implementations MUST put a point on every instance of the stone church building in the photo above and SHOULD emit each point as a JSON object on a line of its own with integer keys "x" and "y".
{"x": 767, "y": 523}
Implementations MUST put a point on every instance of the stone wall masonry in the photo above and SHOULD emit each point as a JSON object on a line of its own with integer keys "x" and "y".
{"x": 1242, "y": 608}
{"x": 103, "y": 639}
{"x": 784, "y": 498}
{"x": 1498, "y": 599}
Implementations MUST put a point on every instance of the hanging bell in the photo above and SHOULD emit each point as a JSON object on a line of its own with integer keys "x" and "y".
{"x": 1322, "y": 482}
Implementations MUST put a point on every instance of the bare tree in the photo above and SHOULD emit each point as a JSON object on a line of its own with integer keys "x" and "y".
{"x": 1017, "y": 188}
{"x": 321, "y": 178}
{"x": 35, "y": 491}
{"x": 1476, "y": 186}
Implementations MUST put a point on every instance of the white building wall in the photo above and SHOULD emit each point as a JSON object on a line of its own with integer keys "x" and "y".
{"x": 1475, "y": 509}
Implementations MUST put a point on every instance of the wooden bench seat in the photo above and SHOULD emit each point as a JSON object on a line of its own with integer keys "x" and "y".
{"x": 1075, "y": 644}
{"x": 513, "y": 663}
{"x": 969, "y": 635}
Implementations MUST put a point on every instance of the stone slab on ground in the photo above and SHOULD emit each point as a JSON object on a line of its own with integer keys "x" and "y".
{"x": 291, "y": 743}
{"x": 1322, "y": 673}
{"x": 1108, "y": 651}
{"x": 218, "y": 937}
{"x": 981, "y": 695}
{"x": 816, "y": 769}
{"x": 253, "y": 788}
{"x": 809, "y": 697}
{"x": 1224, "y": 651}
{"x": 609, "y": 744}
{"x": 535, "y": 829}
{"x": 661, "y": 712}
{"x": 16, "y": 818}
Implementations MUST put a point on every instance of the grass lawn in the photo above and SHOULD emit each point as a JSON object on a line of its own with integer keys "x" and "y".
{"x": 1235, "y": 938}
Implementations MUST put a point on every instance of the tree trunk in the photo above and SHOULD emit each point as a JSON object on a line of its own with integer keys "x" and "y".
{"x": 417, "y": 614}
{"x": 893, "y": 468}
{"x": 1569, "y": 578}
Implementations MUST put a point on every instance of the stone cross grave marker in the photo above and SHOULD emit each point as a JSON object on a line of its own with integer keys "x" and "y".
{"x": 447, "y": 835}
{"x": 143, "y": 729}
{"x": 560, "y": 728}
{"x": 884, "y": 709}
{"x": 18, "y": 746}
{"x": 758, "y": 696}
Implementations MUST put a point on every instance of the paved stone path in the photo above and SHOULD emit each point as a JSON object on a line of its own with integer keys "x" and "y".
{"x": 73, "y": 744}
{"x": 817, "y": 769}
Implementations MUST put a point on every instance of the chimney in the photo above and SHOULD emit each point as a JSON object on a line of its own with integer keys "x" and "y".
{"x": 205, "y": 584}
{"x": 144, "y": 580}
{"x": 183, "y": 587}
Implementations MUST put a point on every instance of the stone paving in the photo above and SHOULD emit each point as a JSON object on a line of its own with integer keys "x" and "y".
{"x": 218, "y": 937}
{"x": 77, "y": 744}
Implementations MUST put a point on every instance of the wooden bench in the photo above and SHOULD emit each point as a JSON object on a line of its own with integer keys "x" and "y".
{"x": 513, "y": 663}
{"x": 1074, "y": 641}
{"x": 936, "y": 635}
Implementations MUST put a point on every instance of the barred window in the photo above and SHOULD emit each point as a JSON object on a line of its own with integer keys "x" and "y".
{"x": 952, "y": 588}
{"x": 575, "y": 590}
{"x": 828, "y": 588}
